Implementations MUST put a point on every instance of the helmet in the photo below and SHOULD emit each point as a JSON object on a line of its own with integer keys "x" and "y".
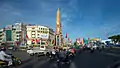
{"x": 3, "y": 49}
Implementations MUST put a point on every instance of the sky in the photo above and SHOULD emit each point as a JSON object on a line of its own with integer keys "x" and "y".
{"x": 79, "y": 18}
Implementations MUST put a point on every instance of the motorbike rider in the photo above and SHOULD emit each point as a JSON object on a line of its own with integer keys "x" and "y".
{"x": 62, "y": 55}
{"x": 73, "y": 51}
{"x": 53, "y": 52}
{"x": 3, "y": 56}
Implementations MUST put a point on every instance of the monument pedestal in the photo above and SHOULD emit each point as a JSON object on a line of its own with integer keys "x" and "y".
{"x": 58, "y": 40}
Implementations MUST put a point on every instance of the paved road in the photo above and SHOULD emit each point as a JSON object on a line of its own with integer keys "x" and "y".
{"x": 102, "y": 59}
{"x": 20, "y": 54}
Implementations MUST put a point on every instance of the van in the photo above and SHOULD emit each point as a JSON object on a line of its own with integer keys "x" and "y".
{"x": 42, "y": 47}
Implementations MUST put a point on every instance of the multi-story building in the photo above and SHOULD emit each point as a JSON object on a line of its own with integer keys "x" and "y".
{"x": 19, "y": 33}
{"x": 8, "y": 35}
{"x": 16, "y": 34}
{"x": 38, "y": 35}
{"x": 2, "y": 36}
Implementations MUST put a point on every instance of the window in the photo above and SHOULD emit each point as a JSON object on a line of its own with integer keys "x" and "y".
{"x": 33, "y": 43}
{"x": 38, "y": 31}
{"x": 38, "y": 43}
{"x": 42, "y": 46}
{"x": 17, "y": 32}
{"x": 17, "y": 35}
{"x": 33, "y": 31}
{"x": 17, "y": 39}
{"x": 33, "y": 34}
{"x": 41, "y": 28}
{"x": 38, "y": 34}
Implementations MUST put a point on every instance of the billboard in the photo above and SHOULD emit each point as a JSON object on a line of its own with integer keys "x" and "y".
{"x": 45, "y": 36}
{"x": 8, "y": 35}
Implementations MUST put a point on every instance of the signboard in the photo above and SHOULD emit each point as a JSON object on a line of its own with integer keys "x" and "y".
{"x": 8, "y": 35}
{"x": 45, "y": 36}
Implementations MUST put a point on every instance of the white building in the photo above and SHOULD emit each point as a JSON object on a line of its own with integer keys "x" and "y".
{"x": 2, "y": 36}
{"x": 38, "y": 34}
{"x": 16, "y": 33}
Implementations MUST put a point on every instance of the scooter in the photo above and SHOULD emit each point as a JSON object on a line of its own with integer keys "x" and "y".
{"x": 91, "y": 50}
{"x": 3, "y": 64}
{"x": 15, "y": 62}
{"x": 63, "y": 62}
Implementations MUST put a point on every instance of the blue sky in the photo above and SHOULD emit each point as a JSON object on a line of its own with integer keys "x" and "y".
{"x": 79, "y": 18}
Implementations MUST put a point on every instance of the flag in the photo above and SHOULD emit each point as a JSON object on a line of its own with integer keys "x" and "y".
{"x": 88, "y": 39}
{"x": 37, "y": 40}
{"x": 68, "y": 39}
{"x": 66, "y": 35}
{"x": 83, "y": 41}
{"x": 33, "y": 40}
{"x": 27, "y": 36}
{"x": 76, "y": 40}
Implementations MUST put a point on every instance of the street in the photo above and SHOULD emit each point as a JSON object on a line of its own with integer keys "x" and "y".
{"x": 103, "y": 59}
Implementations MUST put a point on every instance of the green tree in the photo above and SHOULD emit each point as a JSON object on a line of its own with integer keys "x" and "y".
{"x": 115, "y": 38}
{"x": 75, "y": 43}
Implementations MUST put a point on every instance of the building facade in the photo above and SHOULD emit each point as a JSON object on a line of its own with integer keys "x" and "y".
{"x": 19, "y": 33}
{"x": 2, "y": 36}
{"x": 16, "y": 34}
{"x": 38, "y": 35}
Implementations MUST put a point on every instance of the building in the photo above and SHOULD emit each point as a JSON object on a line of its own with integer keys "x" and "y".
{"x": 19, "y": 33}
{"x": 2, "y": 36}
{"x": 58, "y": 34}
{"x": 38, "y": 35}
{"x": 16, "y": 34}
{"x": 8, "y": 35}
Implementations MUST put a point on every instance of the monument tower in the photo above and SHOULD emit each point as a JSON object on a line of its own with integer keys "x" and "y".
{"x": 58, "y": 35}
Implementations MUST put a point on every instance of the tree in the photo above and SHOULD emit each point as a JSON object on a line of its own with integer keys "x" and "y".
{"x": 115, "y": 38}
{"x": 75, "y": 43}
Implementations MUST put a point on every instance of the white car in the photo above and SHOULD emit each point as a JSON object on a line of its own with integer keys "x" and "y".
{"x": 30, "y": 51}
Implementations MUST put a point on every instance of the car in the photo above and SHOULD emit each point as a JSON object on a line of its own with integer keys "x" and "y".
{"x": 30, "y": 52}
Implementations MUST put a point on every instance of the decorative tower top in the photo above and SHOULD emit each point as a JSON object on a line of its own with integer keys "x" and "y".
{"x": 58, "y": 22}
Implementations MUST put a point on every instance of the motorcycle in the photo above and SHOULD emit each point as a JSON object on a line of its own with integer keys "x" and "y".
{"x": 71, "y": 56}
{"x": 63, "y": 62}
{"x": 52, "y": 56}
{"x": 15, "y": 62}
{"x": 3, "y": 64}
{"x": 91, "y": 50}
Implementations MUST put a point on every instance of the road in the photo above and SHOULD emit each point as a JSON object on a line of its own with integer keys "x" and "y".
{"x": 103, "y": 59}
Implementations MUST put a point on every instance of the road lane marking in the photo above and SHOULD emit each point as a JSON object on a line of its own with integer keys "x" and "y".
{"x": 112, "y": 54}
{"x": 115, "y": 51}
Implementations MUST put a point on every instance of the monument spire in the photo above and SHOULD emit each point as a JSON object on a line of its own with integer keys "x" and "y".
{"x": 58, "y": 28}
